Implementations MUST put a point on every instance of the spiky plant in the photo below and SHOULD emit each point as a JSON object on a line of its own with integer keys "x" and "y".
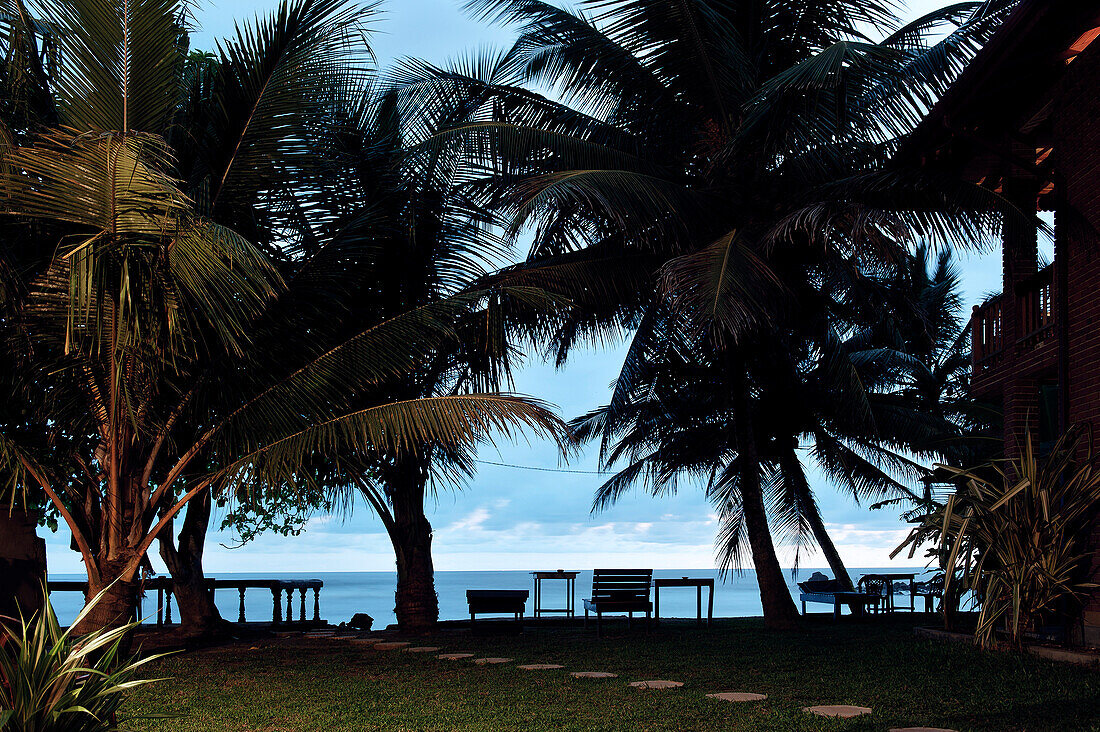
{"x": 52, "y": 680}
{"x": 1014, "y": 532}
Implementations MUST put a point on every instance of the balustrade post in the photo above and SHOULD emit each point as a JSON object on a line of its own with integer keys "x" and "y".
{"x": 290, "y": 604}
{"x": 167, "y": 606}
{"x": 160, "y": 606}
{"x": 276, "y": 605}
{"x": 317, "y": 604}
{"x": 240, "y": 614}
{"x": 302, "y": 604}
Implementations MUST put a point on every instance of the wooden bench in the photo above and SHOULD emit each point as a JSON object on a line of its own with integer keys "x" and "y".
{"x": 619, "y": 590}
{"x": 831, "y": 592}
{"x": 511, "y": 602}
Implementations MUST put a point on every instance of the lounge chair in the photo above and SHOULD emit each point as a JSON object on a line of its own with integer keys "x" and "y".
{"x": 819, "y": 588}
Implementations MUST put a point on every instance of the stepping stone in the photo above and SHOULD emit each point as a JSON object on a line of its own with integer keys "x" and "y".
{"x": 593, "y": 675}
{"x": 920, "y": 729}
{"x": 540, "y": 666}
{"x": 391, "y": 646}
{"x": 838, "y": 711}
{"x": 487, "y": 661}
{"x": 454, "y": 656}
{"x": 738, "y": 696}
{"x": 656, "y": 684}
{"x": 422, "y": 649}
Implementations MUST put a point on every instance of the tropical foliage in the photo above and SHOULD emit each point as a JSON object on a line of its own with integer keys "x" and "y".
{"x": 716, "y": 166}
{"x": 53, "y": 681}
{"x": 1015, "y": 534}
{"x": 159, "y": 356}
{"x": 855, "y": 398}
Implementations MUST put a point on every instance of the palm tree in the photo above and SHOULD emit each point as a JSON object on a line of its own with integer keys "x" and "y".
{"x": 715, "y": 140}
{"x": 157, "y": 354}
{"x": 421, "y": 242}
{"x": 835, "y": 384}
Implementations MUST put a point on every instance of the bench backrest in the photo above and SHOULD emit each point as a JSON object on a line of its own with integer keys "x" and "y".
{"x": 621, "y": 584}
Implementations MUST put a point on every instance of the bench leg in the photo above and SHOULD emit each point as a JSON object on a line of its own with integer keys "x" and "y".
{"x": 803, "y": 607}
{"x": 599, "y": 622}
{"x": 586, "y": 617}
{"x": 836, "y": 609}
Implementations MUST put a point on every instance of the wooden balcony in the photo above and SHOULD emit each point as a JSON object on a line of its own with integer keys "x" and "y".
{"x": 987, "y": 333}
{"x": 1034, "y": 309}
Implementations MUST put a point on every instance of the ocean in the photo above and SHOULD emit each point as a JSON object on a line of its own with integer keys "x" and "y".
{"x": 347, "y": 593}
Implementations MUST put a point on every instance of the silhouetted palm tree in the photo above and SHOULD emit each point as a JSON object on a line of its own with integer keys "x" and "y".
{"x": 703, "y": 148}
{"x": 158, "y": 355}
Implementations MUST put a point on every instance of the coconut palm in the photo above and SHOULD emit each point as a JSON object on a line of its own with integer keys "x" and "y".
{"x": 835, "y": 384}
{"x": 720, "y": 139}
{"x": 420, "y": 241}
{"x": 159, "y": 355}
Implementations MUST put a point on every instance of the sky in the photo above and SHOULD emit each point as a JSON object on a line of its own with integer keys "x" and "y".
{"x": 514, "y": 519}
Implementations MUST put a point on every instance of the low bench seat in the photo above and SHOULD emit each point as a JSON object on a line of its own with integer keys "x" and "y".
{"x": 510, "y": 602}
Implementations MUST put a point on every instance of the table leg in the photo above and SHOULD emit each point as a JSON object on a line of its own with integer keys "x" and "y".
{"x": 710, "y": 605}
{"x": 656, "y": 605}
{"x": 698, "y": 604}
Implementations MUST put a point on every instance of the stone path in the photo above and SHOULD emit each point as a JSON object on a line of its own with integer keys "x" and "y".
{"x": 540, "y": 666}
{"x": 656, "y": 684}
{"x": 738, "y": 696}
{"x": 838, "y": 711}
{"x": 390, "y": 646}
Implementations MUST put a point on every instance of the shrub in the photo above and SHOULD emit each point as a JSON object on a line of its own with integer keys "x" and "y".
{"x": 1014, "y": 533}
{"x": 51, "y": 681}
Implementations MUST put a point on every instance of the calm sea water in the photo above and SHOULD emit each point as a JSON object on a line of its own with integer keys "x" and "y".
{"x": 346, "y": 593}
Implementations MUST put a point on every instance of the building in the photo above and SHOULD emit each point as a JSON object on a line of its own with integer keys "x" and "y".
{"x": 1023, "y": 119}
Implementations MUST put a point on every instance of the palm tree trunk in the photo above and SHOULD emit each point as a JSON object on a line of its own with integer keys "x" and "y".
{"x": 832, "y": 556}
{"x": 199, "y": 615}
{"x": 775, "y": 598}
{"x": 792, "y": 469}
{"x": 417, "y": 605}
{"x": 118, "y": 605}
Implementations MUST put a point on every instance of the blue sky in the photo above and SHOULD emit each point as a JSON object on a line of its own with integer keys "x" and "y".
{"x": 525, "y": 519}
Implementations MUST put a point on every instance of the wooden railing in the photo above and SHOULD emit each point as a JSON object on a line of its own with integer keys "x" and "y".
{"x": 987, "y": 330}
{"x": 1035, "y": 300}
{"x": 1035, "y": 312}
{"x": 164, "y": 588}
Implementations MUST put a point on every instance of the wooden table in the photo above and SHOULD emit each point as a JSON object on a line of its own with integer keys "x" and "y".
{"x": 698, "y": 583}
{"x": 570, "y": 592}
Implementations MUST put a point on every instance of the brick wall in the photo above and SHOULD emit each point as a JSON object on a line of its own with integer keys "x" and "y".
{"x": 1077, "y": 147}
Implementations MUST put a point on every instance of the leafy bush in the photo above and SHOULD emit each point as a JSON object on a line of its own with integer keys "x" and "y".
{"x": 51, "y": 681}
{"x": 1014, "y": 532}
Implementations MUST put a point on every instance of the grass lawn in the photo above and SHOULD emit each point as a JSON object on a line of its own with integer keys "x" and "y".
{"x": 299, "y": 684}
